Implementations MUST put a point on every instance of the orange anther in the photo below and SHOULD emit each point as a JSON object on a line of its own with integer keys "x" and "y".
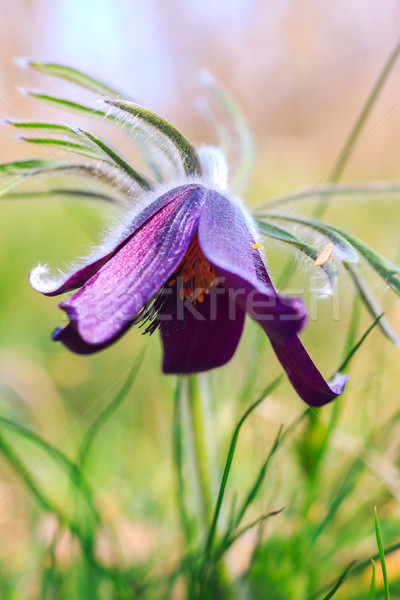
{"x": 324, "y": 255}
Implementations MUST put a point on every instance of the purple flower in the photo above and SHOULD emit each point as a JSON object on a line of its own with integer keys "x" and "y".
{"x": 189, "y": 264}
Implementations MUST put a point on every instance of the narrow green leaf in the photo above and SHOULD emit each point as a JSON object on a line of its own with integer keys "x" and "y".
{"x": 68, "y": 170}
{"x": 66, "y": 145}
{"x": 379, "y": 263}
{"x": 10, "y": 184}
{"x": 69, "y": 105}
{"x": 351, "y": 353}
{"x": 361, "y": 565}
{"x": 35, "y": 126}
{"x": 340, "y": 581}
{"x": 259, "y": 479}
{"x": 11, "y": 168}
{"x": 178, "y": 455}
{"x": 356, "y": 131}
{"x": 283, "y": 235}
{"x": 186, "y": 151}
{"x": 244, "y": 138}
{"x": 228, "y": 464}
{"x": 374, "y": 188}
{"x": 381, "y": 556}
{"x": 232, "y": 538}
{"x": 223, "y": 135}
{"x": 371, "y": 595}
{"x": 382, "y": 266}
{"x": 343, "y": 248}
{"x": 353, "y": 327}
{"x": 83, "y": 534}
{"x": 106, "y": 414}
{"x": 141, "y": 140}
{"x": 372, "y": 304}
{"x": 119, "y": 161}
{"x": 344, "y": 489}
{"x": 72, "y": 194}
{"x": 25, "y": 475}
{"x": 51, "y": 450}
{"x": 74, "y": 76}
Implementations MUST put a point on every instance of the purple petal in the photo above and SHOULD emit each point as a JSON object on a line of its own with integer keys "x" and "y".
{"x": 304, "y": 375}
{"x": 107, "y": 304}
{"x": 43, "y": 282}
{"x": 207, "y": 338}
{"x": 70, "y": 337}
{"x": 226, "y": 238}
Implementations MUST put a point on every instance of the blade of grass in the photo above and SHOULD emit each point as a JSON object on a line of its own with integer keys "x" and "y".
{"x": 379, "y": 188}
{"x": 85, "y": 538}
{"x": 178, "y": 455}
{"x": 319, "y": 454}
{"x": 107, "y": 413}
{"x": 371, "y": 595}
{"x": 232, "y": 447}
{"x": 344, "y": 488}
{"x": 353, "y": 328}
{"x": 358, "y": 345}
{"x": 381, "y": 556}
{"x": 359, "y": 124}
{"x": 355, "y": 133}
{"x": 372, "y": 304}
{"x": 359, "y": 566}
{"x": 339, "y": 582}
{"x": 259, "y": 479}
{"x": 233, "y": 537}
{"x": 75, "y": 474}
{"x": 26, "y": 477}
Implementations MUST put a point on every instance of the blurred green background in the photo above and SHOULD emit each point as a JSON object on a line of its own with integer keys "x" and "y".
{"x": 301, "y": 73}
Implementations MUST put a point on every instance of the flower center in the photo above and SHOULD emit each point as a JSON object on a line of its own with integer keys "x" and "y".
{"x": 194, "y": 276}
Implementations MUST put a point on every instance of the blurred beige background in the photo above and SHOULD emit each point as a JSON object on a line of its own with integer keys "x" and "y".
{"x": 300, "y": 70}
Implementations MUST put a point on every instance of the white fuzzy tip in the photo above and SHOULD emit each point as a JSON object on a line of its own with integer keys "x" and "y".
{"x": 23, "y": 61}
{"x": 214, "y": 167}
{"x": 41, "y": 280}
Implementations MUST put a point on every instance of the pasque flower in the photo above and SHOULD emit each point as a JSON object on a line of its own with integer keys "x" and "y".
{"x": 189, "y": 263}
{"x": 184, "y": 255}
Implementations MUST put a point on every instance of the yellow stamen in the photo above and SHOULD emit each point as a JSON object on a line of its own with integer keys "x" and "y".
{"x": 194, "y": 275}
{"x": 256, "y": 246}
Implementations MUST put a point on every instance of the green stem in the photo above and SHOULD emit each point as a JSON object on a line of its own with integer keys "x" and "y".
{"x": 198, "y": 409}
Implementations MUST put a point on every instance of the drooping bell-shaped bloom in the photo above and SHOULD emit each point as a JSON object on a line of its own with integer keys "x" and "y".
{"x": 189, "y": 264}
